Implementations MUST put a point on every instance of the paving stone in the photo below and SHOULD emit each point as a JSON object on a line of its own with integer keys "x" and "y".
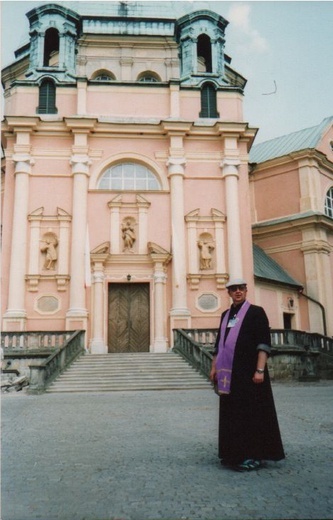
{"x": 152, "y": 455}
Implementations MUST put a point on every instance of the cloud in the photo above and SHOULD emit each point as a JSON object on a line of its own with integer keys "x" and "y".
{"x": 249, "y": 39}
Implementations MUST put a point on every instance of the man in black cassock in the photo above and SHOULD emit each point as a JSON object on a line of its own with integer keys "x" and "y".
{"x": 248, "y": 427}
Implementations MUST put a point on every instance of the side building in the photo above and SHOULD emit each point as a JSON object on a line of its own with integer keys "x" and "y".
{"x": 126, "y": 195}
{"x": 291, "y": 179}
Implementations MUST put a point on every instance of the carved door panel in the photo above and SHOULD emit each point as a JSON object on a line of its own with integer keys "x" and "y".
{"x": 128, "y": 327}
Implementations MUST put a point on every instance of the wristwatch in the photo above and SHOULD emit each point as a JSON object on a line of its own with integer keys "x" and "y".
{"x": 260, "y": 370}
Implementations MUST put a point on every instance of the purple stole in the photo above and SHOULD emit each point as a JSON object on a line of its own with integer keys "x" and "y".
{"x": 225, "y": 355}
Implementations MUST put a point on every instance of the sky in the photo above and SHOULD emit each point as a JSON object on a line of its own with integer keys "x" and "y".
{"x": 283, "y": 48}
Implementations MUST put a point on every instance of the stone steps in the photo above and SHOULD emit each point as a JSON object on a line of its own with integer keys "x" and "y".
{"x": 128, "y": 372}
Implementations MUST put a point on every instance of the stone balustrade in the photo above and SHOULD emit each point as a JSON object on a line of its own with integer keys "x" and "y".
{"x": 295, "y": 354}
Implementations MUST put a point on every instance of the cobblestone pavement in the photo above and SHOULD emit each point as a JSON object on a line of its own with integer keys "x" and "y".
{"x": 153, "y": 455}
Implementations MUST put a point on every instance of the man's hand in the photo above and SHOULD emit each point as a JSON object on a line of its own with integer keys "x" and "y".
{"x": 258, "y": 378}
{"x": 212, "y": 375}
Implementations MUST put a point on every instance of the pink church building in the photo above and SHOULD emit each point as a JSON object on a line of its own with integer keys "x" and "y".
{"x": 130, "y": 196}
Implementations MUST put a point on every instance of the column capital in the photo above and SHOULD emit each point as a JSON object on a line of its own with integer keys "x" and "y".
{"x": 176, "y": 165}
{"x": 160, "y": 277}
{"x": 98, "y": 277}
{"x": 230, "y": 166}
{"x": 23, "y": 163}
{"x": 80, "y": 164}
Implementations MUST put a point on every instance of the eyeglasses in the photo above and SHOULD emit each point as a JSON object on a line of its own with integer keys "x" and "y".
{"x": 235, "y": 288}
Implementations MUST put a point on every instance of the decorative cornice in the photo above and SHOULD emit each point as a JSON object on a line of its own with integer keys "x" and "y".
{"x": 292, "y": 223}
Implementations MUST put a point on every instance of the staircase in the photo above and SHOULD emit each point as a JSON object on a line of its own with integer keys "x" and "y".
{"x": 129, "y": 372}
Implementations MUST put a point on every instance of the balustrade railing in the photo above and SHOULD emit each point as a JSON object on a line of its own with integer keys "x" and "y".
{"x": 303, "y": 340}
{"x": 196, "y": 345}
{"x": 42, "y": 375}
{"x": 198, "y": 354}
{"x": 37, "y": 340}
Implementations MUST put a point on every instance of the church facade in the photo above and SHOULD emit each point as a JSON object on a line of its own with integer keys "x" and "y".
{"x": 127, "y": 203}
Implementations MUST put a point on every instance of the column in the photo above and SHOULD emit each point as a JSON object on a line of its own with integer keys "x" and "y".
{"x": 62, "y": 50}
{"x": 310, "y": 187}
{"x": 174, "y": 100}
{"x": 231, "y": 175}
{"x": 161, "y": 258}
{"x": 15, "y": 316}
{"x": 219, "y": 240}
{"x": 97, "y": 344}
{"x": 179, "y": 285}
{"x": 63, "y": 260}
{"x": 34, "y": 252}
{"x": 193, "y": 248}
{"x": 160, "y": 339}
{"x": 143, "y": 206}
{"x": 77, "y": 313}
{"x": 81, "y": 96}
{"x": 219, "y": 222}
{"x": 34, "y": 246}
{"x": 63, "y": 248}
{"x": 115, "y": 227}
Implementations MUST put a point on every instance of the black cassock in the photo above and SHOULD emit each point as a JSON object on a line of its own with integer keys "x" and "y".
{"x": 248, "y": 425}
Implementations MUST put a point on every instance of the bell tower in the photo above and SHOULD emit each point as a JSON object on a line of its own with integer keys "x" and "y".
{"x": 53, "y": 34}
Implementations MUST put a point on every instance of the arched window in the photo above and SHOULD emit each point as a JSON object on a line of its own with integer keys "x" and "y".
{"x": 128, "y": 177}
{"x": 47, "y": 98}
{"x": 329, "y": 203}
{"x": 204, "y": 53}
{"x": 51, "y": 48}
{"x": 208, "y": 101}
{"x": 148, "y": 77}
{"x": 103, "y": 75}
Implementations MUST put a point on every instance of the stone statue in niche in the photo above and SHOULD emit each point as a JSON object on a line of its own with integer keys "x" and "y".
{"x": 128, "y": 235}
{"x": 206, "y": 247}
{"x": 50, "y": 250}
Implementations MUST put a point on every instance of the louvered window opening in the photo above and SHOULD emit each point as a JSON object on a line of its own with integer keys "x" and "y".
{"x": 329, "y": 203}
{"x": 208, "y": 102}
{"x": 47, "y": 97}
{"x": 129, "y": 177}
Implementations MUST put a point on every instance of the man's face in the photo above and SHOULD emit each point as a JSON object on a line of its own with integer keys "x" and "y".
{"x": 237, "y": 293}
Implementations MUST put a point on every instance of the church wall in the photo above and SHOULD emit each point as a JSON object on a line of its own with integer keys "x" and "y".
{"x": 98, "y": 125}
{"x": 23, "y": 101}
{"x": 325, "y": 145}
{"x": 113, "y": 102}
{"x": 66, "y": 101}
{"x": 269, "y": 204}
{"x": 126, "y": 59}
{"x": 203, "y": 194}
{"x": 229, "y": 105}
{"x": 46, "y": 309}
{"x": 58, "y": 190}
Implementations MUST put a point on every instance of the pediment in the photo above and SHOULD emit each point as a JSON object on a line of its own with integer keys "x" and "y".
{"x": 102, "y": 249}
{"x": 156, "y": 249}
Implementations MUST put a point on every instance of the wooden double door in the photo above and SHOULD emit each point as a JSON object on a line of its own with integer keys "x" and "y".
{"x": 128, "y": 317}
